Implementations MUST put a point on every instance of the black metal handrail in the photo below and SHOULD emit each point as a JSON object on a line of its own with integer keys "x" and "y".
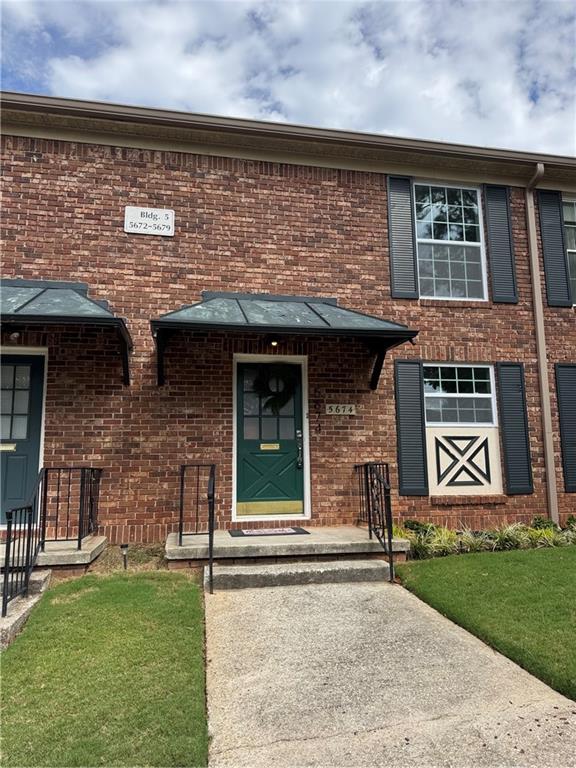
{"x": 197, "y": 503}
{"x": 375, "y": 504}
{"x": 23, "y": 541}
{"x": 71, "y": 504}
{"x": 58, "y": 492}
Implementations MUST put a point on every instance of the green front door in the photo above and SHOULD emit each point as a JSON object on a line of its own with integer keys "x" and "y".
{"x": 270, "y": 458}
{"x": 22, "y": 382}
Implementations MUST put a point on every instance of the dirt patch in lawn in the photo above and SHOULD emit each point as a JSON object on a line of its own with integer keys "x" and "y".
{"x": 141, "y": 557}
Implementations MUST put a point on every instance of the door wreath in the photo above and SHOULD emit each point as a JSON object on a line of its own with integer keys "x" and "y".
{"x": 287, "y": 378}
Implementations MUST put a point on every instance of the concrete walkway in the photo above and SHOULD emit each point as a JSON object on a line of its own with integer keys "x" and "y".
{"x": 367, "y": 675}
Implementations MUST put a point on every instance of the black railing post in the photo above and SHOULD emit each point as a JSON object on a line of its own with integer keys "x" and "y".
{"x": 369, "y": 510}
{"x": 211, "y": 493}
{"x": 95, "y": 493}
{"x": 28, "y": 561}
{"x": 44, "y": 510}
{"x": 181, "y": 517}
{"x": 5, "y": 596}
{"x": 17, "y": 569}
{"x": 81, "y": 508}
{"x": 197, "y": 521}
{"x": 388, "y": 514}
{"x": 91, "y": 501}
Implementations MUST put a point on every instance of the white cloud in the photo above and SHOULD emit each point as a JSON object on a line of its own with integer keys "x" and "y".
{"x": 489, "y": 72}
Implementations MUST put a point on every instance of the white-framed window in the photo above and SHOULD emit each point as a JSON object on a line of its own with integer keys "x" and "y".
{"x": 569, "y": 215}
{"x": 459, "y": 395}
{"x": 449, "y": 241}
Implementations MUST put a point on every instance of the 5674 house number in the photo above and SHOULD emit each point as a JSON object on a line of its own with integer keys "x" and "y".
{"x": 341, "y": 410}
{"x": 149, "y": 221}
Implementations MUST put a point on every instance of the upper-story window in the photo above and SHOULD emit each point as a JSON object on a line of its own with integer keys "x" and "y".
{"x": 450, "y": 242}
{"x": 569, "y": 210}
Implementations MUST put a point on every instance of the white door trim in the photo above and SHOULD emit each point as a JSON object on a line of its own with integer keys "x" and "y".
{"x": 301, "y": 360}
{"x": 40, "y": 352}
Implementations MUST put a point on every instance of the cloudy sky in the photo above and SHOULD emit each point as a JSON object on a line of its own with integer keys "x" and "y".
{"x": 499, "y": 73}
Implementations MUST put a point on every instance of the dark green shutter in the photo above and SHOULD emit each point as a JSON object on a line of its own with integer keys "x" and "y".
{"x": 554, "y": 249}
{"x": 566, "y": 390}
{"x": 403, "y": 267}
{"x": 500, "y": 244}
{"x": 514, "y": 428}
{"x": 410, "y": 428}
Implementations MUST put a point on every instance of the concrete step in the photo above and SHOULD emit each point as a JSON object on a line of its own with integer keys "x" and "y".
{"x": 39, "y": 581}
{"x": 284, "y": 574}
{"x": 21, "y": 607}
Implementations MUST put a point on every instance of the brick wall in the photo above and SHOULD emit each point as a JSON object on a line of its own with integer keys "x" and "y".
{"x": 240, "y": 225}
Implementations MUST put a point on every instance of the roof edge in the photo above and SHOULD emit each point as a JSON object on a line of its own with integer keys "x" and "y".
{"x": 17, "y": 282}
{"x": 207, "y": 295}
{"x": 194, "y": 121}
{"x": 401, "y": 332}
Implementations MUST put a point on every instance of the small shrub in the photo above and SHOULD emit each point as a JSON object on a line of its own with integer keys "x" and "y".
{"x": 541, "y": 523}
{"x": 419, "y": 527}
{"x": 571, "y": 522}
{"x": 510, "y": 536}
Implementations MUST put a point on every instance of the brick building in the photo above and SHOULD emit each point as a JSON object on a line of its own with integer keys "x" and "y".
{"x": 287, "y": 303}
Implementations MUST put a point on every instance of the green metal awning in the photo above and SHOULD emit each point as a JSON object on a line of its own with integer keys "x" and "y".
{"x": 45, "y": 302}
{"x": 280, "y": 316}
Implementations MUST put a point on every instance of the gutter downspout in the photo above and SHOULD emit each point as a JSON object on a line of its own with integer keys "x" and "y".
{"x": 541, "y": 351}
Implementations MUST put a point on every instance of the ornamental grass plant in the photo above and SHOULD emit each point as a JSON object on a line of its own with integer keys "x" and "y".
{"x": 429, "y": 540}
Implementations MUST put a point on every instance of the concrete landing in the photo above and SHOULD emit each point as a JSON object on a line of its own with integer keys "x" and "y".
{"x": 66, "y": 553}
{"x": 286, "y": 574}
{"x": 319, "y": 542}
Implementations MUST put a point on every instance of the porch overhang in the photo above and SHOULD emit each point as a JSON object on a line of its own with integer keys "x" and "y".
{"x": 48, "y": 302}
{"x": 271, "y": 315}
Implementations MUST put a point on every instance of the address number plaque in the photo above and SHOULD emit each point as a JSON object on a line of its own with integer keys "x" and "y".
{"x": 341, "y": 410}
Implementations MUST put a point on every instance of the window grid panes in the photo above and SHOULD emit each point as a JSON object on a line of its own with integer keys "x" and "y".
{"x": 15, "y": 401}
{"x": 458, "y": 395}
{"x": 448, "y": 234}
{"x": 569, "y": 211}
{"x": 260, "y": 422}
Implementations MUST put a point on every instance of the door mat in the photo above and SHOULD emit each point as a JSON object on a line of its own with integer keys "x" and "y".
{"x": 294, "y": 531}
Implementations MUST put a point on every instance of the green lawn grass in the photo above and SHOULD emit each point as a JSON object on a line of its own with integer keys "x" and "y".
{"x": 523, "y": 603}
{"x": 108, "y": 671}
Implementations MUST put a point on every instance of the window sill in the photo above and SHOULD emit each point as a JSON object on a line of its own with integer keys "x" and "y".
{"x": 478, "y": 304}
{"x": 463, "y": 501}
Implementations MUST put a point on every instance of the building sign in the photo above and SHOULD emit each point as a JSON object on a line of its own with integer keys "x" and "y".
{"x": 341, "y": 410}
{"x": 148, "y": 221}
